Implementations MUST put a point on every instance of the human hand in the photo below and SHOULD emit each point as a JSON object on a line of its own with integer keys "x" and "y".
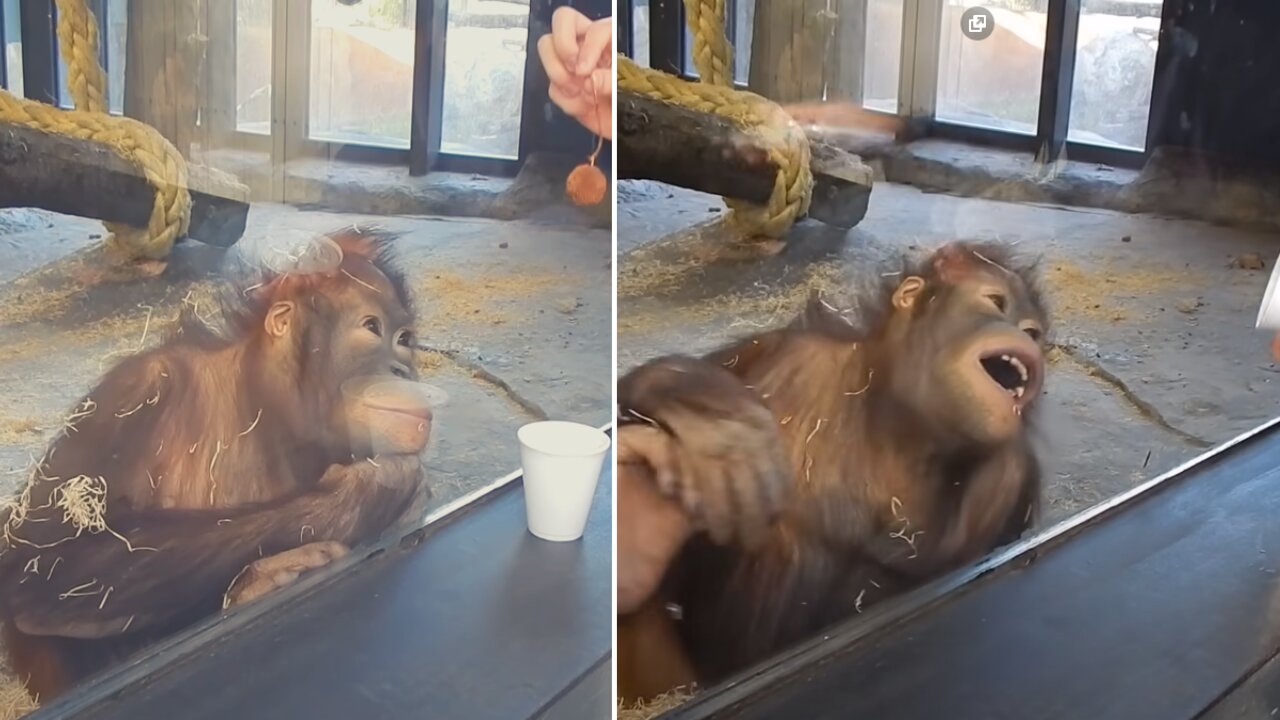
{"x": 578, "y": 57}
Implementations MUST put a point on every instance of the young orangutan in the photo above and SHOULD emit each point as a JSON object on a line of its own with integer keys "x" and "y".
{"x": 218, "y": 466}
{"x": 799, "y": 476}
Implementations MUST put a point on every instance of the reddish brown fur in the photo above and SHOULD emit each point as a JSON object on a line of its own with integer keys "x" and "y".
{"x": 218, "y": 450}
{"x": 856, "y": 462}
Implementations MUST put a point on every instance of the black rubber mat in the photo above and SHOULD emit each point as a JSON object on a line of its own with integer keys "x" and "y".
{"x": 479, "y": 620}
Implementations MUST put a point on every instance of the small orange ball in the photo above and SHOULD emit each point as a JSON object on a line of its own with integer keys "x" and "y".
{"x": 586, "y": 185}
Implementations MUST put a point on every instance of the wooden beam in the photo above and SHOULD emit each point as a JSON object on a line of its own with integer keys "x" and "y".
{"x": 86, "y": 179}
{"x": 704, "y": 152}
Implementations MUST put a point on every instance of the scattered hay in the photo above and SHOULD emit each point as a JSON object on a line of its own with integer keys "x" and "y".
{"x": 431, "y": 361}
{"x": 16, "y": 431}
{"x": 654, "y": 277}
{"x": 484, "y": 299}
{"x": 36, "y": 303}
{"x": 655, "y": 707}
{"x": 761, "y": 309}
{"x": 1109, "y": 293}
{"x": 15, "y": 701}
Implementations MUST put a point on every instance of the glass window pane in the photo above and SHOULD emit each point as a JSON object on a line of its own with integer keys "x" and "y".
{"x": 884, "y": 55}
{"x": 743, "y": 24}
{"x": 361, "y": 88}
{"x": 993, "y": 82}
{"x": 484, "y": 77}
{"x": 640, "y": 32}
{"x": 11, "y": 46}
{"x": 117, "y": 31}
{"x": 1115, "y": 64}
{"x": 253, "y": 66}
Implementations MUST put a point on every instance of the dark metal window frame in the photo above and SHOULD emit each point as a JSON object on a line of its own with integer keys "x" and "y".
{"x": 667, "y": 48}
{"x": 4, "y": 55}
{"x": 39, "y": 45}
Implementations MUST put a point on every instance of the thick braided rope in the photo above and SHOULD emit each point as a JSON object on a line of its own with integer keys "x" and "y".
{"x": 757, "y": 117}
{"x": 158, "y": 160}
{"x": 712, "y": 53}
{"x": 762, "y": 120}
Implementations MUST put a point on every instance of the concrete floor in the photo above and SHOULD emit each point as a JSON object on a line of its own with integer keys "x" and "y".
{"x": 520, "y": 311}
{"x": 1158, "y": 356}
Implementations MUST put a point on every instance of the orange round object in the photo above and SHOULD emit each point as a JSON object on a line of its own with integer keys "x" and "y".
{"x": 586, "y": 185}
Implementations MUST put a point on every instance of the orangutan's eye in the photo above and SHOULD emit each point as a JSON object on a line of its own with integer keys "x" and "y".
{"x": 373, "y": 325}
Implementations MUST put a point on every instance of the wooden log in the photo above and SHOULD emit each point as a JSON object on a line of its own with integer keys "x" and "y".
{"x": 704, "y": 152}
{"x": 82, "y": 178}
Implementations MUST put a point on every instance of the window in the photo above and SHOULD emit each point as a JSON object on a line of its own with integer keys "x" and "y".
{"x": 883, "y": 55}
{"x": 994, "y": 82}
{"x": 1115, "y": 65}
{"x": 361, "y": 87}
{"x": 484, "y": 77}
{"x": 11, "y": 47}
{"x": 917, "y": 62}
{"x": 640, "y": 32}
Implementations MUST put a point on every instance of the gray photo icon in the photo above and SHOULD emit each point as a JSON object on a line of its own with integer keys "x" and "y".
{"x": 977, "y": 23}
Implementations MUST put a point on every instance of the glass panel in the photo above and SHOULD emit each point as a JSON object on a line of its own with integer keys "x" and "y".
{"x": 361, "y": 88}
{"x": 253, "y": 66}
{"x": 484, "y": 77}
{"x": 640, "y": 32}
{"x": 117, "y": 32}
{"x": 993, "y": 82}
{"x": 743, "y": 23}
{"x": 884, "y": 55}
{"x": 1115, "y": 64}
{"x": 11, "y": 46}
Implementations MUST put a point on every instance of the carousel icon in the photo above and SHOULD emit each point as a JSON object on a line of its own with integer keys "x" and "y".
{"x": 977, "y": 23}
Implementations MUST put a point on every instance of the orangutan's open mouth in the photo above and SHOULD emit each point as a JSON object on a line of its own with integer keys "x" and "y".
{"x": 1015, "y": 373}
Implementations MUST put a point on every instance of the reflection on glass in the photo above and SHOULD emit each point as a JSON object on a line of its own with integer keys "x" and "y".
{"x": 11, "y": 46}
{"x": 253, "y": 66}
{"x": 884, "y": 55}
{"x": 361, "y": 88}
{"x": 484, "y": 77}
{"x": 1115, "y": 64}
{"x": 640, "y": 32}
{"x": 994, "y": 82}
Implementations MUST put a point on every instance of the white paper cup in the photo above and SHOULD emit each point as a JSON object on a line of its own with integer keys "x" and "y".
{"x": 1269, "y": 313}
{"x": 561, "y": 462}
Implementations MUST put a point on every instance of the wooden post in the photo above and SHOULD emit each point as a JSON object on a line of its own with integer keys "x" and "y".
{"x": 165, "y": 54}
{"x": 808, "y": 50}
